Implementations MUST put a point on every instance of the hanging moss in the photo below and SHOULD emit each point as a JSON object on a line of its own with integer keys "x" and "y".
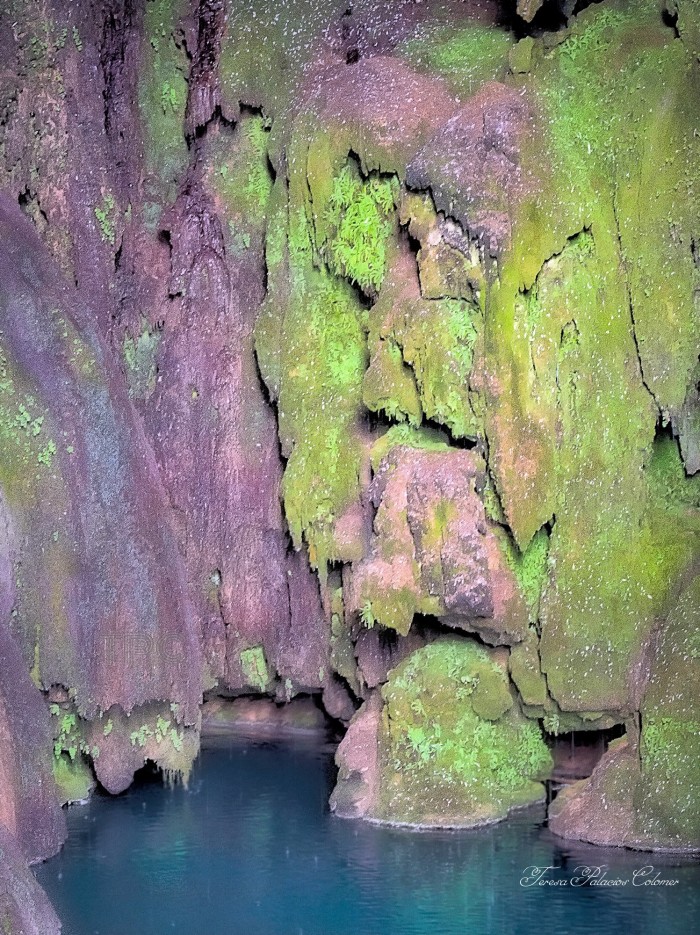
{"x": 358, "y": 223}
{"x": 323, "y": 362}
{"x": 389, "y": 385}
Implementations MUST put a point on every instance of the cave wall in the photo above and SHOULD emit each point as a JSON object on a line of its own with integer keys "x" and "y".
{"x": 347, "y": 343}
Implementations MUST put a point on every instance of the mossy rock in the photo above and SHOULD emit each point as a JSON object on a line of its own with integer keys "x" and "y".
{"x": 74, "y": 779}
{"x": 454, "y": 747}
{"x": 667, "y": 795}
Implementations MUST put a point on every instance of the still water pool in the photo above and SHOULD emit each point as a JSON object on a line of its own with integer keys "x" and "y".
{"x": 251, "y": 849}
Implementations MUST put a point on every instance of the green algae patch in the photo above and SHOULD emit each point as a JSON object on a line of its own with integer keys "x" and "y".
{"x": 467, "y": 58}
{"x": 74, "y": 779}
{"x": 162, "y": 100}
{"x": 254, "y": 667}
{"x": 454, "y": 747}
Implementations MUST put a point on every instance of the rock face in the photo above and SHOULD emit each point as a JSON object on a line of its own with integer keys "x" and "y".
{"x": 29, "y": 809}
{"x": 647, "y": 798}
{"x": 434, "y": 551}
{"x": 24, "y": 907}
{"x": 329, "y": 333}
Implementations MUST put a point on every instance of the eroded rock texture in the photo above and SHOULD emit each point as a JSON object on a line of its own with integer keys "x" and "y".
{"x": 353, "y": 352}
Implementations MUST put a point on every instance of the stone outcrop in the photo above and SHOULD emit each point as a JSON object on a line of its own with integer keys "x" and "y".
{"x": 327, "y": 334}
{"x": 434, "y": 551}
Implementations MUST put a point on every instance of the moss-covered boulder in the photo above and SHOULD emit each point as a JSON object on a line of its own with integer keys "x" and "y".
{"x": 452, "y": 746}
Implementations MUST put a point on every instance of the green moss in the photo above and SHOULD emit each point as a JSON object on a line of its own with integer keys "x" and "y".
{"x": 74, "y": 779}
{"x": 453, "y": 746}
{"x": 621, "y": 100}
{"x": 666, "y": 796}
{"x": 392, "y": 608}
{"x": 140, "y": 358}
{"x": 254, "y": 666}
{"x": 162, "y": 99}
{"x": 597, "y": 35}
{"x": 69, "y": 733}
{"x": 23, "y": 431}
{"x": 524, "y": 668}
{"x": 358, "y": 223}
{"x": 466, "y": 57}
{"x": 320, "y": 396}
{"x": 437, "y": 339}
{"x": 569, "y": 431}
{"x": 240, "y": 176}
{"x": 312, "y": 351}
{"x": 529, "y": 568}
{"x": 664, "y": 740}
{"x": 669, "y": 483}
{"x": 106, "y": 214}
{"x": 389, "y": 385}
{"x": 421, "y": 438}
{"x": 343, "y": 659}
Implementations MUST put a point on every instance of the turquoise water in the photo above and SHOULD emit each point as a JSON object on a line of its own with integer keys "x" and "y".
{"x": 251, "y": 849}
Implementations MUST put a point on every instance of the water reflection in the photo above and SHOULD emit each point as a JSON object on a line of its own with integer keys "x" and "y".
{"x": 251, "y": 849}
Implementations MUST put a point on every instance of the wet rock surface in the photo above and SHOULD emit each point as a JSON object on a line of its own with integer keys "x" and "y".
{"x": 24, "y": 907}
{"x": 328, "y": 334}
